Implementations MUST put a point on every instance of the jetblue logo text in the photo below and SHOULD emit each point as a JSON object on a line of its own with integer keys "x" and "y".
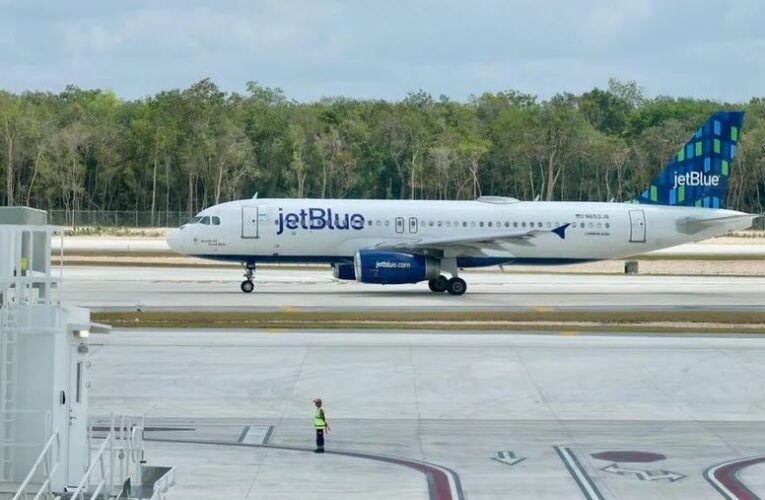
{"x": 386, "y": 264}
{"x": 696, "y": 179}
{"x": 318, "y": 218}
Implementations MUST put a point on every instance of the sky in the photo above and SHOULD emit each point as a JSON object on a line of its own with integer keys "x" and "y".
{"x": 384, "y": 49}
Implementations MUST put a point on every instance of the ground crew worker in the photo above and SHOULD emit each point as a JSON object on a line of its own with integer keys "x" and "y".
{"x": 320, "y": 424}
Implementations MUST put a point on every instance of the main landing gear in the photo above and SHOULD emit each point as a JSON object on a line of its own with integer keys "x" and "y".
{"x": 247, "y": 286}
{"x": 455, "y": 285}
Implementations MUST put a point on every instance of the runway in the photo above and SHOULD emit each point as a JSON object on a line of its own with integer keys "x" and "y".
{"x": 442, "y": 416}
{"x": 131, "y": 288}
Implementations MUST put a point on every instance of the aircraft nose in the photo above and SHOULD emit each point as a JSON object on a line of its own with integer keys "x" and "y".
{"x": 174, "y": 240}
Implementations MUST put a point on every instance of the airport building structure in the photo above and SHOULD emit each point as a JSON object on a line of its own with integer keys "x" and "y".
{"x": 47, "y": 447}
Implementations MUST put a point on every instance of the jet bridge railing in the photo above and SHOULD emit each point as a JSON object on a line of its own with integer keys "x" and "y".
{"x": 44, "y": 468}
{"x": 119, "y": 457}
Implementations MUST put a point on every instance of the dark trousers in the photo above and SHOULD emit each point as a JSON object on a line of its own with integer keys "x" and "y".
{"x": 320, "y": 438}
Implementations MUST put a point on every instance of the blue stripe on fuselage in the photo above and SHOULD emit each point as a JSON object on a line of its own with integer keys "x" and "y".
{"x": 463, "y": 262}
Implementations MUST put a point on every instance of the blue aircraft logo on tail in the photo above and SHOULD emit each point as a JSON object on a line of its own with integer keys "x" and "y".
{"x": 698, "y": 174}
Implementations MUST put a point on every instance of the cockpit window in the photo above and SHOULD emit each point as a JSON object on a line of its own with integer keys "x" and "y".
{"x": 206, "y": 220}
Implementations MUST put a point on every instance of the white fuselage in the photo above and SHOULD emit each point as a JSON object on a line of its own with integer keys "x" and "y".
{"x": 313, "y": 230}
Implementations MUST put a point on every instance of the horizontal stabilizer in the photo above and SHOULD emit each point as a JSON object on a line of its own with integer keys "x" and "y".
{"x": 691, "y": 225}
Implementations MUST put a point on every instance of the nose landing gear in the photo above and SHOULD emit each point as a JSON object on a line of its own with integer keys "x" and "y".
{"x": 247, "y": 285}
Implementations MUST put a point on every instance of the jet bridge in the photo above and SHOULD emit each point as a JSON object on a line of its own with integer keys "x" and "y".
{"x": 46, "y": 446}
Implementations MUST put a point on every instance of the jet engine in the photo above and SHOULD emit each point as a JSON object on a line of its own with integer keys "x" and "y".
{"x": 394, "y": 268}
{"x": 343, "y": 271}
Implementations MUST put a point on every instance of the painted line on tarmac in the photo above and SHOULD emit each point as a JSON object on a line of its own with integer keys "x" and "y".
{"x": 255, "y": 434}
{"x": 443, "y": 482}
{"x": 583, "y": 480}
{"x": 724, "y": 478}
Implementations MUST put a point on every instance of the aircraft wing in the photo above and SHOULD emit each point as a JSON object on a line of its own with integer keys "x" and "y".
{"x": 473, "y": 242}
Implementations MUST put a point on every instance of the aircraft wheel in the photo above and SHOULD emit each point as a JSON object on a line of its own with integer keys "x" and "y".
{"x": 247, "y": 286}
{"x": 438, "y": 285}
{"x": 456, "y": 286}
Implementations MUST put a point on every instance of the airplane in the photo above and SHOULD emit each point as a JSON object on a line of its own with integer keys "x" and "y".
{"x": 410, "y": 241}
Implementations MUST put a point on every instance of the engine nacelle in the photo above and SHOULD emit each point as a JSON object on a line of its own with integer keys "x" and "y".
{"x": 394, "y": 268}
{"x": 343, "y": 272}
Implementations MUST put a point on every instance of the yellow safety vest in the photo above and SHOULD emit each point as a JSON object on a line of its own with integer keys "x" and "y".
{"x": 318, "y": 420}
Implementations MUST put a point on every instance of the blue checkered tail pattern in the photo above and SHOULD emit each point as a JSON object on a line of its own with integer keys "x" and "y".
{"x": 698, "y": 174}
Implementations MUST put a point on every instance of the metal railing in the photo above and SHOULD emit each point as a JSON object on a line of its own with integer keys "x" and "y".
{"x": 49, "y": 459}
{"x": 163, "y": 485}
{"x": 107, "y": 480}
{"x": 123, "y": 444}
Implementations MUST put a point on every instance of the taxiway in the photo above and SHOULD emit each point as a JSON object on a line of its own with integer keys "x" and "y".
{"x": 442, "y": 416}
{"x": 161, "y": 288}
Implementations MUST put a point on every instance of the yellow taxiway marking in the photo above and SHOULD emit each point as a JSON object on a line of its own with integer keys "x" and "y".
{"x": 289, "y": 309}
{"x": 569, "y": 333}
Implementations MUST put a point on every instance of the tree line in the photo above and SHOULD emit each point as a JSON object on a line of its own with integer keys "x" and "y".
{"x": 182, "y": 150}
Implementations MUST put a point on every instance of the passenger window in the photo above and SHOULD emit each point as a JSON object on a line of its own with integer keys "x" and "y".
{"x": 378, "y": 223}
{"x": 608, "y": 225}
{"x": 464, "y": 223}
{"x": 549, "y": 225}
{"x": 430, "y": 223}
{"x": 480, "y": 223}
{"x": 573, "y": 224}
{"x": 507, "y": 224}
{"x": 387, "y": 223}
{"x": 523, "y": 224}
{"x": 448, "y": 223}
{"x": 489, "y": 223}
{"x": 472, "y": 223}
{"x": 515, "y": 224}
{"x": 439, "y": 223}
{"x": 590, "y": 225}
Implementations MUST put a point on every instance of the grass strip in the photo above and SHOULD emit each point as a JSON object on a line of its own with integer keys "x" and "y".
{"x": 657, "y": 321}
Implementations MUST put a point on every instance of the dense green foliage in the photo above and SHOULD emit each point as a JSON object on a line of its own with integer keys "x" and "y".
{"x": 187, "y": 149}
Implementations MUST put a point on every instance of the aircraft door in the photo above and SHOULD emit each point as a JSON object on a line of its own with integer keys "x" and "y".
{"x": 413, "y": 225}
{"x": 637, "y": 226}
{"x": 399, "y": 224}
{"x": 254, "y": 220}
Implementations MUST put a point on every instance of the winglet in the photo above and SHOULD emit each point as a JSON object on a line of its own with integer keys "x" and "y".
{"x": 561, "y": 231}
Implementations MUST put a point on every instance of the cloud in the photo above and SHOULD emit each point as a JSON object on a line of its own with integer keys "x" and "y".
{"x": 384, "y": 49}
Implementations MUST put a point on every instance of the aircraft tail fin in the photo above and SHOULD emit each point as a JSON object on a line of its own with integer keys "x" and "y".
{"x": 698, "y": 174}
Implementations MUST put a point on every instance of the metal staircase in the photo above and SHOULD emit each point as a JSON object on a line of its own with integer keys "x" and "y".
{"x": 9, "y": 335}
